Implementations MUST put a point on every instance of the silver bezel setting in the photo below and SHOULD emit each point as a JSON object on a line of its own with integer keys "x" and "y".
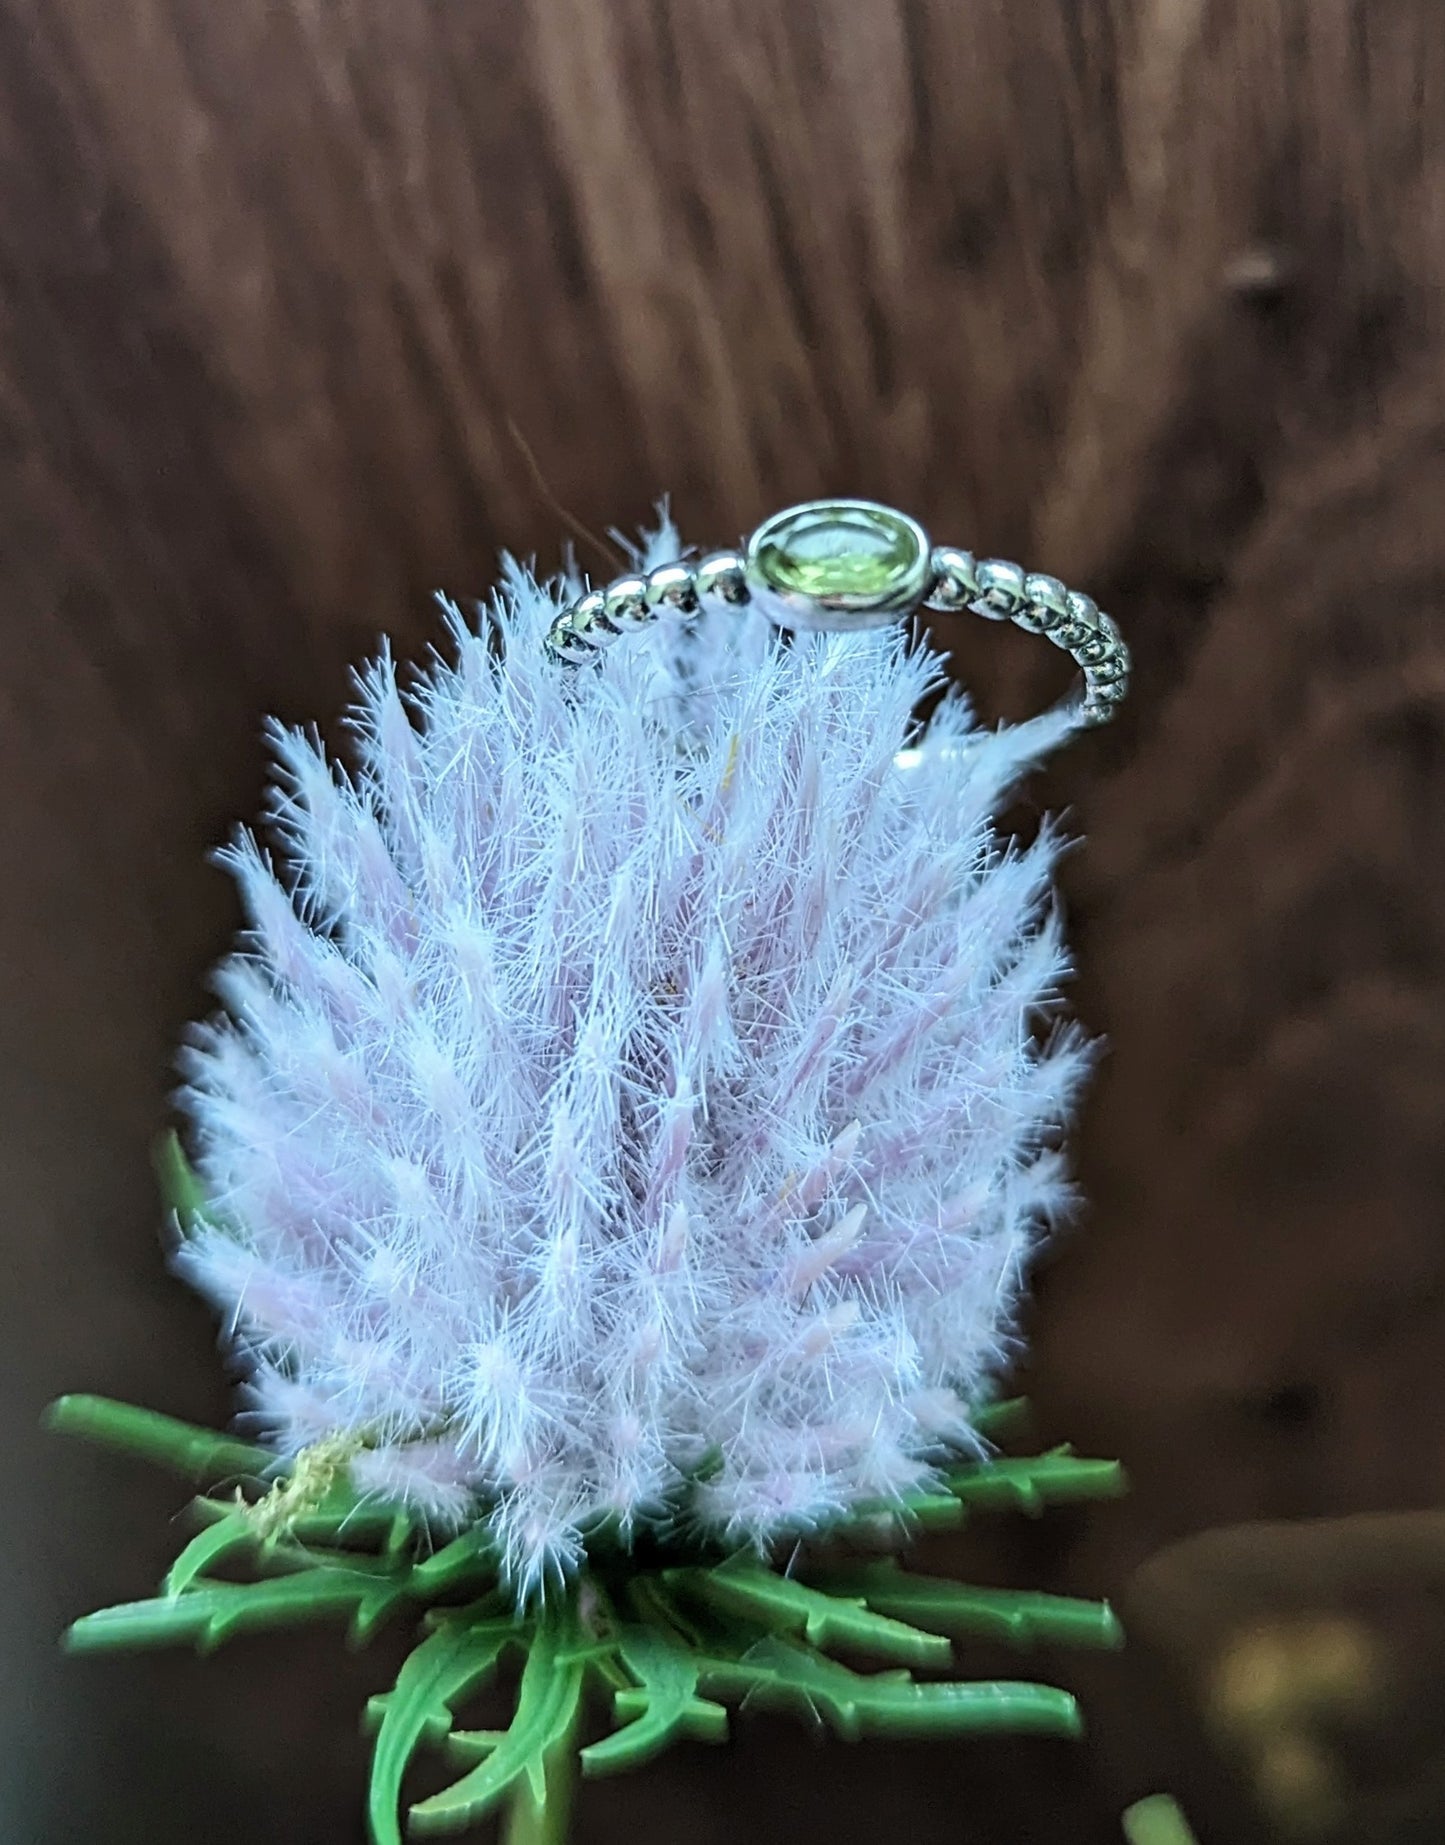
{"x": 942, "y": 577}
{"x": 843, "y": 612}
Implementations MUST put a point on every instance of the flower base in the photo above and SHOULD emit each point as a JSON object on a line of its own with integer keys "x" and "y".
{"x": 671, "y": 1638}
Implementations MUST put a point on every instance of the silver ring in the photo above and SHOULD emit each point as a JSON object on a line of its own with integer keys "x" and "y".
{"x": 846, "y": 565}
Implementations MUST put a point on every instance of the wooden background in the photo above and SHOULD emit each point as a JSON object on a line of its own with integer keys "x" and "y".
{"x": 1145, "y": 292}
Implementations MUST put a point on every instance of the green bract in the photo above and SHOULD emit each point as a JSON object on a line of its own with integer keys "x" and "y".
{"x": 670, "y": 1637}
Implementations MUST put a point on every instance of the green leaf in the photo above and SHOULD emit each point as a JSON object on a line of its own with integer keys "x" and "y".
{"x": 1005, "y": 1420}
{"x": 341, "y": 1518}
{"x": 196, "y": 1453}
{"x": 1020, "y": 1617}
{"x": 180, "y": 1187}
{"x": 1057, "y": 1478}
{"x": 231, "y": 1533}
{"x": 689, "y": 1639}
{"x": 757, "y": 1593}
{"x": 471, "y": 1555}
{"x": 208, "y": 1613}
{"x": 663, "y": 1708}
{"x": 931, "y": 1512}
{"x": 1001, "y": 1484}
{"x": 514, "y": 1761}
{"x": 450, "y": 1663}
{"x": 777, "y": 1673}
{"x": 895, "y": 1521}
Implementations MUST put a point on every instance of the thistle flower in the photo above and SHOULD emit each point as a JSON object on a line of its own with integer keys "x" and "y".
{"x": 630, "y": 1103}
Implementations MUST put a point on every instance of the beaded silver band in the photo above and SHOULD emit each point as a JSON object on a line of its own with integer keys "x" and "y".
{"x": 854, "y": 564}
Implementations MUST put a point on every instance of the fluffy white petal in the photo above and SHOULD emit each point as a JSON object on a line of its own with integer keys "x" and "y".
{"x": 631, "y": 1065}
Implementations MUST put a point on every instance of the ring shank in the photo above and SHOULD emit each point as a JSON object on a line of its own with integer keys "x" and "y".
{"x": 957, "y": 581}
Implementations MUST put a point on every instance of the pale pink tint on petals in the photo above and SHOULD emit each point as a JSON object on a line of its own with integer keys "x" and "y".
{"x": 636, "y": 1064}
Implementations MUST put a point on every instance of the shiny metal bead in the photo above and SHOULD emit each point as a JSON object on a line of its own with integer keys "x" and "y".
{"x": 1090, "y": 652}
{"x": 587, "y": 608}
{"x": 587, "y": 619}
{"x": 1001, "y": 589}
{"x": 1106, "y": 642}
{"x": 1108, "y": 671}
{"x": 849, "y": 565}
{"x": 722, "y": 574}
{"x": 568, "y": 647}
{"x": 575, "y": 636}
{"x": 1109, "y": 693}
{"x": 626, "y": 606}
{"x": 1079, "y": 625}
{"x": 955, "y": 578}
{"x": 671, "y": 587}
{"x": 1046, "y": 605}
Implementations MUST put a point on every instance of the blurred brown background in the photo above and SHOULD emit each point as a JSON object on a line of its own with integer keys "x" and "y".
{"x": 1144, "y": 292}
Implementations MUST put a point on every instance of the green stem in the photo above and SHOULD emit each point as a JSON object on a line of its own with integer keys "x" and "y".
{"x": 548, "y": 1824}
{"x": 199, "y": 1454}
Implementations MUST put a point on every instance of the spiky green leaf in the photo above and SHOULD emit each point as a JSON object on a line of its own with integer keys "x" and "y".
{"x": 662, "y": 1708}
{"x": 514, "y": 1761}
{"x": 229, "y": 1534}
{"x": 455, "y": 1658}
{"x": 211, "y": 1612}
{"x": 779, "y": 1674}
{"x": 1060, "y": 1477}
{"x": 1019, "y": 1617}
{"x": 747, "y": 1588}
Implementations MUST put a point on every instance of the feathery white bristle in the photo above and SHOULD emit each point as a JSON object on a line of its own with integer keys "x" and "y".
{"x": 631, "y": 1065}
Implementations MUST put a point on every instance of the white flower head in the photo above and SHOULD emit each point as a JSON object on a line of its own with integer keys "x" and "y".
{"x": 630, "y": 1103}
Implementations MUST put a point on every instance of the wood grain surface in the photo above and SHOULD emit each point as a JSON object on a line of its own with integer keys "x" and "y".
{"x": 1145, "y": 292}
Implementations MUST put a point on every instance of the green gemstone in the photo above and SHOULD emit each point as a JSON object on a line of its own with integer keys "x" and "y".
{"x": 844, "y": 551}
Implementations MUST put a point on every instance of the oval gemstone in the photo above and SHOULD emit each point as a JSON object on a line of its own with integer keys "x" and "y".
{"x": 848, "y": 551}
